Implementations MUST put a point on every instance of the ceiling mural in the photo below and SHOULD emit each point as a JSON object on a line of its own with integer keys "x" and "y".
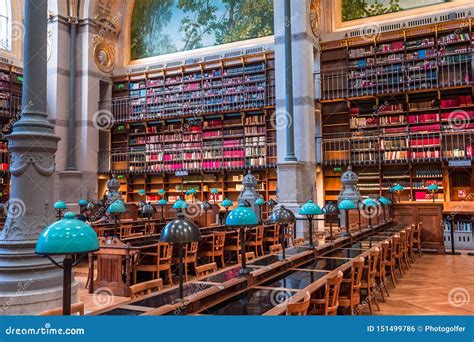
{"x": 165, "y": 26}
{"x": 359, "y": 9}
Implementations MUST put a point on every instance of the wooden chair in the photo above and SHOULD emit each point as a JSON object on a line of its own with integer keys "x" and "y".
{"x": 190, "y": 257}
{"x": 77, "y": 308}
{"x": 391, "y": 262}
{"x": 162, "y": 262}
{"x": 399, "y": 255}
{"x": 206, "y": 269}
{"x": 249, "y": 256}
{"x": 232, "y": 245}
{"x": 256, "y": 241}
{"x": 330, "y": 303}
{"x": 417, "y": 238}
{"x": 381, "y": 271}
{"x": 298, "y": 242}
{"x": 411, "y": 250}
{"x": 368, "y": 279}
{"x": 289, "y": 234}
{"x": 275, "y": 249}
{"x": 215, "y": 248}
{"x": 349, "y": 296}
{"x": 299, "y": 308}
{"x": 404, "y": 248}
{"x": 272, "y": 236}
{"x": 147, "y": 287}
{"x": 126, "y": 231}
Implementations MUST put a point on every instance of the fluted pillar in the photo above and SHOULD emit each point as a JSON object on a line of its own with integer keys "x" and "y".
{"x": 30, "y": 283}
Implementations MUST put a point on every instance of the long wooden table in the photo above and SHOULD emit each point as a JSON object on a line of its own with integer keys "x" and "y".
{"x": 220, "y": 293}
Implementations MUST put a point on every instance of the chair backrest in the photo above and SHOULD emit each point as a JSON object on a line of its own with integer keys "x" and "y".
{"x": 383, "y": 257}
{"x": 206, "y": 269}
{"x": 125, "y": 230}
{"x": 333, "y": 285}
{"x": 275, "y": 230}
{"x": 356, "y": 274}
{"x": 249, "y": 256}
{"x": 275, "y": 248}
{"x": 147, "y": 287}
{"x": 395, "y": 245}
{"x": 151, "y": 228}
{"x": 298, "y": 242}
{"x": 403, "y": 240}
{"x": 191, "y": 250}
{"x": 164, "y": 253}
{"x": 259, "y": 235}
{"x": 299, "y": 308}
{"x": 219, "y": 240}
{"x": 77, "y": 308}
{"x": 412, "y": 235}
{"x": 373, "y": 261}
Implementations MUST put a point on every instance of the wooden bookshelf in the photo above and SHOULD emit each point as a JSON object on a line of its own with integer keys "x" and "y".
{"x": 195, "y": 126}
{"x": 11, "y": 79}
{"x": 399, "y": 108}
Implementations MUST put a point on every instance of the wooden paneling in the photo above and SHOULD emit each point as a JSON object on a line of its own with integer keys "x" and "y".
{"x": 430, "y": 214}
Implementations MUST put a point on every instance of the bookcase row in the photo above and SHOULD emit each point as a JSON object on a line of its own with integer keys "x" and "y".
{"x": 245, "y": 82}
{"x": 227, "y": 183}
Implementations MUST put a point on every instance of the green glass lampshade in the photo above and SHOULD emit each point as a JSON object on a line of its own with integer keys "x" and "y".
{"x": 141, "y": 192}
{"x": 162, "y": 202}
{"x": 398, "y": 188}
{"x": 161, "y": 192}
{"x": 310, "y": 208}
{"x": 347, "y": 204}
{"x": 118, "y": 207}
{"x": 329, "y": 208}
{"x": 60, "y": 205}
{"x": 67, "y": 236}
{"x": 241, "y": 216}
{"x": 370, "y": 202}
{"x": 227, "y": 203}
{"x": 180, "y": 204}
{"x": 433, "y": 187}
{"x": 82, "y": 202}
{"x": 282, "y": 216}
{"x": 180, "y": 231}
{"x": 260, "y": 201}
{"x": 214, "y": 191}
{"x": 192, "y": 191}
{"x": 385, "y": 201}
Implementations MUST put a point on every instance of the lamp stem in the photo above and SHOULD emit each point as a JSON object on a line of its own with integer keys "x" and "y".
{"x": 259, "y": 214}
{"x": 384, "y": 217}
{"x": 115, "y": 224}
{"x": 347, "y": 222}
{"x": 162, "y": 213}
{"x": 330, "y": 230}
{"x": 243, "y": 271}
{"x": 59, "y": 214}
{"x": 310, "y": 219}
{"x": 282, "y": 239}
{"x": 360, "y": 221}
{"x": 67, "y": 278}
{"x": 181, "y": 290}
{"x": 370, "y": 219}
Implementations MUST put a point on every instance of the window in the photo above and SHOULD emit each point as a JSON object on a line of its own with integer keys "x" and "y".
{"x": 5, "y": 25}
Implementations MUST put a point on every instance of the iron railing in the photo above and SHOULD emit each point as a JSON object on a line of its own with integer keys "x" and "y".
{"x": 395, "y": 77}
{"x": 382, "y": 148}
{"x": 181, "y": 157}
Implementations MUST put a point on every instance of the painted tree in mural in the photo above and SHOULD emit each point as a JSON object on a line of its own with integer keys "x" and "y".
{"x": 357, "y": 9}
{"x": 161, "y": 27}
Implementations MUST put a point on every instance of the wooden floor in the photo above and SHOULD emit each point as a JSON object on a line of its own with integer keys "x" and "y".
{"x": 434, "y": 285}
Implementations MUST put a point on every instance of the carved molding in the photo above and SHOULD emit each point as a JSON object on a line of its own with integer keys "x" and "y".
{"x": 19, "y": 164}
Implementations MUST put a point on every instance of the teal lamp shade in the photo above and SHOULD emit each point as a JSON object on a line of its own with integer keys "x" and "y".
{"x": 192, "y": 191}
{"x": 180, "y": 204}
{"x": 260, "y": 201}
{"x": 385, "y": 201}
{"x": 60, "y": 205}
{"x": 310, "y": 208}
{"x": 214, "y": 191}
{"x": 241, "y": 216}
{"x": 67, "y": 236}
{"x": 82, "y": 202}
{"x": 141, "y": 192}
{"x": 398, "y": 188}
{"x": 370, "y": 203}
{"x": 227, "y": 203}
{"x": 117, "y": 207}
{"x": 433, "y": 188}
{"x": 161, "y": 192}
{"x": 162, "y": 202}
{"x": 347, "y": 204}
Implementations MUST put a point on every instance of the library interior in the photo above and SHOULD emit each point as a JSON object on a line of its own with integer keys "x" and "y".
{"x": 236, "y": 157}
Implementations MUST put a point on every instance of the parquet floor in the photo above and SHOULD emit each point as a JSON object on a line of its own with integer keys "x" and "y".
{"x": 434, "y": 285}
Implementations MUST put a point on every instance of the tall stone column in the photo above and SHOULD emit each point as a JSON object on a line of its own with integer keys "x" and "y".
{"x": 296, "y": 179}
{"x": 30, "y": 283}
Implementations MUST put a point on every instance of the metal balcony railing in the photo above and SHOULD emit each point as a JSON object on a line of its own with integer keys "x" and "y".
{"x": 382, "y": 148}
{"x": 395, "y": 77}
{"x": 180, "y": 157}
{"x": 186, "y": 103}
